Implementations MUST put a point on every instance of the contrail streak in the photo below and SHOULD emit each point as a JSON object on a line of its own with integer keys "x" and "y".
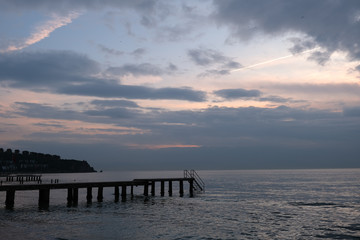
{"x": 274, "y": 60}
{"x": 44, "y": 31}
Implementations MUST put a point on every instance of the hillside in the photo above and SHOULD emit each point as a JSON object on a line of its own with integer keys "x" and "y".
{"x": 21, "y": 162}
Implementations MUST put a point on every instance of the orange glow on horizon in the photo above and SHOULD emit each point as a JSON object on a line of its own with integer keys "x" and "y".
{"x": 162, "y": 146}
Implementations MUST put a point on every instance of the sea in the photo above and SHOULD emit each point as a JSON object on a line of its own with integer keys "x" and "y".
{"x": 236, "y": 204}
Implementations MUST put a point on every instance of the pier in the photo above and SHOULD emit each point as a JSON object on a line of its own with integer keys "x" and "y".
{"x": 191, "y": 177}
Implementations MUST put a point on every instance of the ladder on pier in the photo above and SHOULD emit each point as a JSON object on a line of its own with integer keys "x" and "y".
{"x": 199, "y": 184}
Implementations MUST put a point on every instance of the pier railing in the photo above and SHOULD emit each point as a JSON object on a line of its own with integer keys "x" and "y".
{"x": 199, "y": 183}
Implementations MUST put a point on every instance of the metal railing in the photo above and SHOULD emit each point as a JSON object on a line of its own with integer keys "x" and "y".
{"x": 198, "y": 181}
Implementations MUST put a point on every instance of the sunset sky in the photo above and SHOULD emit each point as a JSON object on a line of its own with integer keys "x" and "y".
{"x": 139, "y": 84}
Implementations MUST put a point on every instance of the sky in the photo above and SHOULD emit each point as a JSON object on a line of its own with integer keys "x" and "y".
{"x": 155, "y": 84}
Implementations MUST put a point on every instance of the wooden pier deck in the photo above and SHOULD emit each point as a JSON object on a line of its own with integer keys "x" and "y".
{"x": 73, "y": 189}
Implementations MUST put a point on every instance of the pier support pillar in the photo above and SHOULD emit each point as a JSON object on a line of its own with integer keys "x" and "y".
{"x": 146, "y": 189}
{"x": 10, "y": 199}
{"x": 170, "y": 188}
{"x": 44, "y": 198}
{"x": 89, "y": 195}
{"x": 69, "y": 196}
{"x": 100, "y": 194}
{"x": 181, "y": 186}
{"x": 123, "y": 193}
{"x": 191, "y": 188}
{"x": 132, "y": 192}
{"x": 116, "y": 193}
{"x": 162, "y": 190}
{"x": 153, "y": 188}
{"x": 75, "y": 196}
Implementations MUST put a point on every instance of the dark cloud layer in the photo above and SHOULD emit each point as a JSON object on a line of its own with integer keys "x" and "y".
{"x": 69, "y": 73}
{"x": 238, "y": 137}
{"x": 46, "y": 69}
{"x": 112, "y": 89}
{"x": 332, "y": 24}
{"x": 216, "y": 125}
{"x": 42, "y": 111}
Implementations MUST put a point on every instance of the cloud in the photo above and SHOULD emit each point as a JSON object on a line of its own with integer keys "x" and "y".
{"x": 143, "y": 69}
{"x": 176, "y": 32}
{"x": 256, "y": 126}
{"x": 45, "y": 69}
{"x": 253, "y": 94}
{"x": 51, "y": 124}
{"x": 214, "y": 72}
{"x": 321, "y": 57}
{"x": 118, "y": 112}
{"x": 352, "y": 112}
{"x": 69, "y": 73}
{"x": 112, "y": 89}
{"x": 349, "y": 89}
{"x": 277, "y": 99}
{"x": 177, "y": 22}
{"x": 329, "y": 24}
{"x": 138, "y": 52}
{"x": 357, "y": 68}
{"x": 206, "y": 127}
{"x": 237, "y": 93}
{"x": 208, "y": 57}
{"x": 240, "y": 134}
{"x": 42, "y": 111}
{"x": 301, "y": 45}
{"x": 115, "y": 103}
{"x": 109, "y": 115}
{"x": 44, "y": 30}
{"x": 110, "y": 51}
{"x": 172, "y": 68}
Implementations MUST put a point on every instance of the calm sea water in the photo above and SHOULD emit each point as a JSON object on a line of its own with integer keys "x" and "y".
{"x": 269, "y": 204}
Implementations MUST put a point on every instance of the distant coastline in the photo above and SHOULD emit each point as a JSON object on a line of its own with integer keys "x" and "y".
{"x": 33, "y": 162}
